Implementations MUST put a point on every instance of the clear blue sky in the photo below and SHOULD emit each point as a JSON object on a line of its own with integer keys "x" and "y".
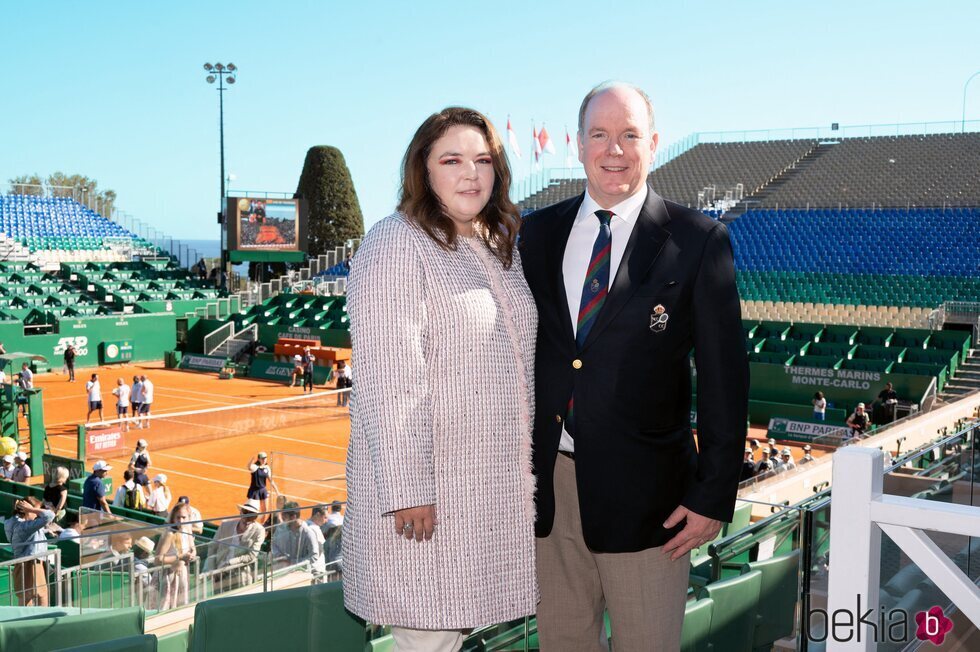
{"x": 116, "y": 90}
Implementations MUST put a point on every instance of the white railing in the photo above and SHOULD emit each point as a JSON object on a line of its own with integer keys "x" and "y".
{"x": 860, "y": 512}
{"x": 217, "y": 337}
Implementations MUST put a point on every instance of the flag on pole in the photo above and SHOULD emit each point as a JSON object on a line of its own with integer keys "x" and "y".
{"x": 545, "y": 141}
{"x": 537, "y": 147}
{"x": 569, "y": 150}
{"x": 512, "y": 139}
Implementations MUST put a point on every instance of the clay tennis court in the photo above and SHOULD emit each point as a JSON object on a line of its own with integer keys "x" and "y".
{"x": 213, "y": 473}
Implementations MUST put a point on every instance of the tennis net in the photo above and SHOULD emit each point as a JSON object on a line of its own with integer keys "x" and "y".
{"x": 168, "y": 430}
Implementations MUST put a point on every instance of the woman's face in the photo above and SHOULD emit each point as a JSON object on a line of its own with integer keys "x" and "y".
{"x": 461, "y": 174}
{"x": 183, "y": 515}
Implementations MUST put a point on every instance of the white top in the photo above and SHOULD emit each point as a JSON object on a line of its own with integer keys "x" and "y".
{"x": 28, "y": 377}
{"x": 159, "y": 500}
{"x": 122, "y": 393}
{"x": 578, "y": 255}
{"x": 147, "y": 391}
{"x": 820, "y": 405}
{"x": 119, "y": 500}
{"x": 94, "y": 390}
{"x": 3, "y": 377}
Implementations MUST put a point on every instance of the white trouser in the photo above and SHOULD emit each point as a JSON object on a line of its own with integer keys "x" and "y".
{"x": 426, "y": 640}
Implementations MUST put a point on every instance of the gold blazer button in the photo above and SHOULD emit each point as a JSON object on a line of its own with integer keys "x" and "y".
{"x": 576, "y": 364}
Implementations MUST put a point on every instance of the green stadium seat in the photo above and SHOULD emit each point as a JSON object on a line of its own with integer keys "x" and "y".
{"x": 778, "y": 595}
{"x": 696, "y": 632}
{"x": 315, "y": 616}
{"x": 732, "y": 616}
{"x": 383, "y": 644}
{"x": 45, "y": 634}
{"x": 174, "y": 642}
{"x": 142, "y": 643}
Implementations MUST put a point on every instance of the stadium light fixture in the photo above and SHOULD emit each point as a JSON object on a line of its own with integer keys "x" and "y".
{"x": 963, "y": 123}
{"x": 221, "y": 73}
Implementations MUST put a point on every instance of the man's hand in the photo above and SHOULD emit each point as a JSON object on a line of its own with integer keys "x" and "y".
{"x": 698, "y": 530}
{"x": 417, "y": 523}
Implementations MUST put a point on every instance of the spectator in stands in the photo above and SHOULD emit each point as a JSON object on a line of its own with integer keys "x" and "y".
{"x": 94, "y": 389}
{"x": 93, "y": 491}
{"x": 197, "y": 523}
{"x": 261, "y": 476}
{"x": 318, "y": 518}
{"x": 129, "y": 494}
{"x": 136, "y": 398}
{"x": 22, "y": 472}
{"x": 160, "y": 496}
{"x": 807, "y": 455}
{"x": 71, "y": 527}
{"x": 146, "y": 402}
{"x": 859, "y": 421}
{"x": 3, "y": 350}
{"x": 120, "y": 545}
{"x": 307, "y": 370}
{"x": 25, "y": 532}
{"x": 175, "y": 551}
{"x": 202, "y": 269}
{"x": 55, "y": 495}
{"x": 333, "y": 532}
{"x": 122, "y": 393}
{"x": 819, "y": 407}
{"x": 786, "y": 463}
{"x": 143, "y": 559}
{"x": 70, "y": 353}
{"x": 754, "y": 445}
{"x": 888, "y": 398}
{"x": 3, "y": 376}
{"x": 294, "y": 542}
{"x": 748, "y": 466}
{"x": 7, "y": 467}
{"x": 139, "y": 462}
{"x": 237, "y": 543}
{"x": 411, "y": 294}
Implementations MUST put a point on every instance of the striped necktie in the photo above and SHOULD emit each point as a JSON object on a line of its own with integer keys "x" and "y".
{"x": 596, "y": 285}
{"x": 594, "y": 292}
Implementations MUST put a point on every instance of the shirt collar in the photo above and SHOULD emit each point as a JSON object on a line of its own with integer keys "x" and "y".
{"x": 627, "y": 210}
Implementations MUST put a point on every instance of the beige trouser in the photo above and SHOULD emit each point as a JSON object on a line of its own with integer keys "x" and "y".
{"x": 425, "y": 640}
{"x": 644, "y": 591}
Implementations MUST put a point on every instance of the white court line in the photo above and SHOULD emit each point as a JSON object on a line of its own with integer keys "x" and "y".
{"x": 211, "y": 394}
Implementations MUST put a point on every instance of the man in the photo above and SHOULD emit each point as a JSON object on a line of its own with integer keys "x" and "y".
{"x": 197, "y": 525}
{"x": 772, "y": 456}
{"x": 70, "y": 354}
{"x": 859, "y": 421}
{"x": 94, "y": 389}
{"x": 22, "y": 472}
{"x": 146, "y": 403}
{"x": 807, "y": 455}
{"x": 748, "y": 466}
{"x": 888, "y": 398}
{"x": 25, "y": 532}
{"x": 122, "y": 393}
{"x": 27, "y": 375}
{"x": 120, "y": 545}
{"x": 294, "y": 542}
{"x": 318, "y": 519}
{"x": 754, "y": 445}
{"x": 787, "y": 463}
{"x": 237, "y": 543}
{"x": 7, "y": 467}
{"x": 627, "y": 285}
{"x": 333, "y": 532}
{"x": 94, "y": 491}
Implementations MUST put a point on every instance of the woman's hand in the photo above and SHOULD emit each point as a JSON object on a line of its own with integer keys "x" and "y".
{"x": 417, "y": 523}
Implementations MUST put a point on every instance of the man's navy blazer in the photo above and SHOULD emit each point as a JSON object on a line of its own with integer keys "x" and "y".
{"x": 635, "y": 456}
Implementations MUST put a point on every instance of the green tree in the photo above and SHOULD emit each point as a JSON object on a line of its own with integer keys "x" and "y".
{"x": 334, "y": 212}
{"x": 27, "y": 184}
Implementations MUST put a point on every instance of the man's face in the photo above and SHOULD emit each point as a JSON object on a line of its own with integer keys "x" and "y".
{"x": 291, "y": 521}
{"x": 616, "y": 145}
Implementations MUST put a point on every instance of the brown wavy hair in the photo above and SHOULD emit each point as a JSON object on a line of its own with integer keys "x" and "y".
{"x": 500, "y": 218}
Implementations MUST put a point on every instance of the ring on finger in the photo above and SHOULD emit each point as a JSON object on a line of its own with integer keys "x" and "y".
{"x": 408, "y": 527}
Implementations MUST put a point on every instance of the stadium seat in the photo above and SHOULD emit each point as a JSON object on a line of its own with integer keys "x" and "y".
{"x": 778, "y": 595}
{"x": 45, "y": 634}
{"x": 696, "y": 631}
{"x": 733, "y": 613}
{"x": 143, "y": 643}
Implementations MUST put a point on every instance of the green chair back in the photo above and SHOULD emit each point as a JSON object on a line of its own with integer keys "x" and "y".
{"x": 778, "y": 595}
{"x": 142, "y": 643}
{"x": 733, "y": 614}
{"x": 696, "y": 631}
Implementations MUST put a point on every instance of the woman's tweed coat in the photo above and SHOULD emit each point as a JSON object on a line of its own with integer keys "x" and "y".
{"x": 441, "y": 412}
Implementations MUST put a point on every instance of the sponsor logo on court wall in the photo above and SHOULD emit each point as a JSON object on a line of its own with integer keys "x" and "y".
{"x": 80, "y": 342}
{"x": 101, "y": 441}
{"x": 203, "y": 362}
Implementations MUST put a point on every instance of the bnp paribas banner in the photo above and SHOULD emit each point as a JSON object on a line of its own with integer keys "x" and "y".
{"x": 806, "y": 431}
{"x": 198, "y": 362}
{"x": 283, "y": 371}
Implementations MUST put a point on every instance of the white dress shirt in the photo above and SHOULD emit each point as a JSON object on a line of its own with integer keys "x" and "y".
{"x": 578, "y": 255}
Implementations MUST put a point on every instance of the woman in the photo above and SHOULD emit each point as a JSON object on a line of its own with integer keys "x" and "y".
{"x": 25, "y": 531}
{"x": 175, "y": 551}
{"x": 261, "y": 475}
{"x": 443, "y": 332}
{"x": 160, "y": 496}
{"x": 139, "y": 462}
{"x": 55, "y": 494}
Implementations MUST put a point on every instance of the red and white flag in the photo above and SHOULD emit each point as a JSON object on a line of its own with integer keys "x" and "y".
{"x": 545, "y": 141}
{"x": 569, "y": 150}
{"x": 512, "y": 139}
{"x": 537, "y": 147}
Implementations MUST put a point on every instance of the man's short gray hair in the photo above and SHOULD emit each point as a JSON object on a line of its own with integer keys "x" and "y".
{"x": 607, "y": 85}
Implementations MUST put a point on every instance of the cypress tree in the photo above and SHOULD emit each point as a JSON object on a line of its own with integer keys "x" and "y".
{"x": 334, "y": 212}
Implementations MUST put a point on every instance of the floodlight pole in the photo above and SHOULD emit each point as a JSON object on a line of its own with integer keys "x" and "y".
{"x": 963, "y": 123}
{"x": 217, "y": 73}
